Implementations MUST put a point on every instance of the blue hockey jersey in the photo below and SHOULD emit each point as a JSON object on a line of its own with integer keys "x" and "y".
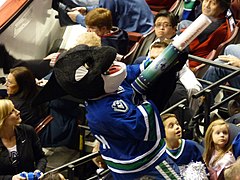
{"x": 236, "y": 146}
{"x": 131, "y": 135}
{"x": 187, "y": 152}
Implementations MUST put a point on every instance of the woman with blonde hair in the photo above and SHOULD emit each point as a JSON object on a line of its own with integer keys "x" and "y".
{"x": 20, "y": 146}
{"x": 217, "y": 152}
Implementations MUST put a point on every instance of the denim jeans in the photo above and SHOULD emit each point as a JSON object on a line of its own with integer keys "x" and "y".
{"x": 214, "y": 73}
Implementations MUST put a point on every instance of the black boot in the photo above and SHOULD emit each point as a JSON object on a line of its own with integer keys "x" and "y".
{"x": 6, "y": 60}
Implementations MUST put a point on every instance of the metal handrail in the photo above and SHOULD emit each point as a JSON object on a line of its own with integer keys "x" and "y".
{"x": 223, "y": 87}
{"x": 213, "y": 63}
{"x": 206, "y": 91}
{"x": 179, "y": 104}
{"x": 100, "y": 175}
{"x": 74, "y": 163}
{"x": 216, "y": 84}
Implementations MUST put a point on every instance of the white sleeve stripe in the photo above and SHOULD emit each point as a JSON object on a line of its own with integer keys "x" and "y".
{"x": 145, "y": 115}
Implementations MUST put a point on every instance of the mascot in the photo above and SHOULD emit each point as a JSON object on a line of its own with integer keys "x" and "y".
{"x": 122, "y": 106}
{"x": 126, "y": 123}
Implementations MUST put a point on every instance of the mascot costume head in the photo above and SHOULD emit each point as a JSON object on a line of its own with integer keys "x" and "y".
{"x": 85, "y": 73}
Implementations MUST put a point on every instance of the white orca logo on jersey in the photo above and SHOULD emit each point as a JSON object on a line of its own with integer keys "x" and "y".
{"x": 119, "y": 106}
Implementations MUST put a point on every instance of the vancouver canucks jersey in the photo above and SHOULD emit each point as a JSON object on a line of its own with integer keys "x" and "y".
{"x": 186, "y": 153}
{"x": 131, "y": 135}
{"x": 236, "y": 146}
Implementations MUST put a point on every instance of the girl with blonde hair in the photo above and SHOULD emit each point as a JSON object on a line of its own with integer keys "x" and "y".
{"x": 217, "y": 152}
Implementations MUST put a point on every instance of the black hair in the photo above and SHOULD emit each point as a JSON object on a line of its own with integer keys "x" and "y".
{"x": 224, "y": 4}
{"x": 174, "y": 19}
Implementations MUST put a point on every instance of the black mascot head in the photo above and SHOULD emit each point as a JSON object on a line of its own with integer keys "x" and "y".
{"x": 79, "y": 72}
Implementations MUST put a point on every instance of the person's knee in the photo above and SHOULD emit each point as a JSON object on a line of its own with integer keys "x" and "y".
{"x": 232, "y": 49}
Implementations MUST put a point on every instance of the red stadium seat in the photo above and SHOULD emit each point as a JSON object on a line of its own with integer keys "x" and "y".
{"x": 131, "y": 55}
{"x": 234, "y": 38}
{"x": 145, "y": 42}
{"x": 157, "y": 5}
{"x": 44, "y": 123}
{"x": 235, "y": 7}
{"x": 140, "y": 47}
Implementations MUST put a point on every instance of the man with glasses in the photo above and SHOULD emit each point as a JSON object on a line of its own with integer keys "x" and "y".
{"x": 165, "y": 25}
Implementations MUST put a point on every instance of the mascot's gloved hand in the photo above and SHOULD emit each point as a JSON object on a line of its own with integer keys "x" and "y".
{"x": 181, "y": 60}
{"x": 32, "y": 175}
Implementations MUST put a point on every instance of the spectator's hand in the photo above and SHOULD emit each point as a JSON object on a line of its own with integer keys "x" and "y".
{"x": 17, "y": 177}
{"x": 73, "y": 15}
{"x": 41, "y": 82}
{"x": 53, "y": 58}
{"x": 98, "y": 160}
{"x": 212, "y": 173}
{"x": 230, "y": 59}
{"x": 76, "y": 11}
{"x": 81, "y": 10}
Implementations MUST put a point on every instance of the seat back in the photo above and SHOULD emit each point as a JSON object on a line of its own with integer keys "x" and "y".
{"x": 44, "y": 123}
{"x": 177, "y": 8}
{"x": 231, "y": 40}
{"x": 235, "y": 7}
{"x": 131, "y": 55}
{"x": 145, "y": 42}
{"x": 156, "y": 5}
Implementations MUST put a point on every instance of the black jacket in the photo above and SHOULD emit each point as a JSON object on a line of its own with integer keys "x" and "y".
{"x": 30, "y": 154}
{"x": 118, "y": 39}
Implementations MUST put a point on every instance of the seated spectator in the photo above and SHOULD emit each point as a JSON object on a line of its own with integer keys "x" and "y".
{"x": 21, "y": 89}
{"x": 99, "y": 20}
{"x": 64, "y": 6}
{"x": 63, "y": 130}
{"x": 21, "y": 149}
{"x": 217, "y": 151}
{"x": 216, "y": 33}
{"x": 165, "y": 25}
{"x": 74, "y": 3}
{"x": 190, "y": 9}
{"x": 181, "y": 151}
{"x": 155, "y": 49}
{"x": 232, "y": 57}
{"x": 192, "y": 85}
{"x": 130, "y": 16}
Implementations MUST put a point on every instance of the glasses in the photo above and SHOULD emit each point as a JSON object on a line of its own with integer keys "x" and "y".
{"x": 7, "y": 82}
{"x": 158, "y": 25}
